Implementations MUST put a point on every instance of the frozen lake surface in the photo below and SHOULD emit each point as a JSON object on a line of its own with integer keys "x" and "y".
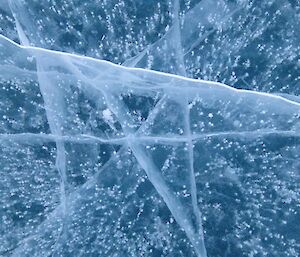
{"x": 149, "y": 128}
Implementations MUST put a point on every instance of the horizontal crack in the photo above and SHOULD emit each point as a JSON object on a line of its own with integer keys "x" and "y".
{"x": 32, "y": 138}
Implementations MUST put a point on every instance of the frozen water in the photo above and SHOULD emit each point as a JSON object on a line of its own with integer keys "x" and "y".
{"x": 108, "y": 124}
{"x": 242, "y": 43}
{"x": 100, "y": 159}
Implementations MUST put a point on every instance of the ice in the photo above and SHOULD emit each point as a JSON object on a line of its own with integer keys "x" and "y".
{"x": 167, "y": 145}
{"x": 101, "y": 159}
{"x": 222, "y": 40}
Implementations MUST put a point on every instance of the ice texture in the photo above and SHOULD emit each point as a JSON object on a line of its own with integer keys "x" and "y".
{"x": 138, "y": 159}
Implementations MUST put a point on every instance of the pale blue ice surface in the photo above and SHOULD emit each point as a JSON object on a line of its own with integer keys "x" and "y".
{"x": 99, "y": 159}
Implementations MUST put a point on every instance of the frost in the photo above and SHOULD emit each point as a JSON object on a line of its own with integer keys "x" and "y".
{"x": 100, "y": 159}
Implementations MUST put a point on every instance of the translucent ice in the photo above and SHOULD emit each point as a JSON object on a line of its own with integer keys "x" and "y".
{"x": 242, "y": 43}
{"x": 99, "y": 159}
{"x": 82, "y": 138}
